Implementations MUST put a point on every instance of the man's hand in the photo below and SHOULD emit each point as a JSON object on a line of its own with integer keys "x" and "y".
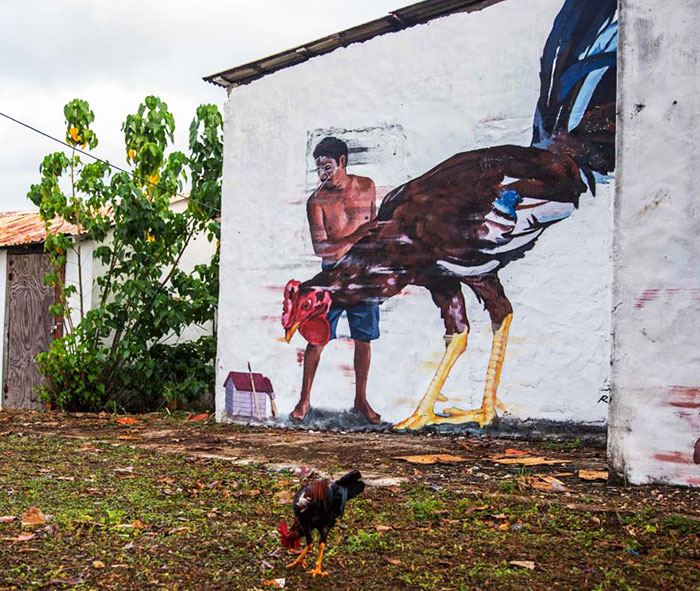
{"x": 364, "y": 229}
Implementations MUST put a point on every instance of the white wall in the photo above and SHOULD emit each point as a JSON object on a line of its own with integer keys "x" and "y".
{"x": 3, "y": 319}
{"x": 86, "y": 275}
{"x": 654, "y": 419}
{"x": 198, "y": 252}
{"x": 457, "y": 83}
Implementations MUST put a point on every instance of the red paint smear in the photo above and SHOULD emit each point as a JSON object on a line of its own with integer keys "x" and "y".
{"x": 676, "y": 457}
{"x": 348, "y": 371}
{"x": 268, "y": 318}
{"x": 683, "y": 396}
{"x": 649, "y": 295}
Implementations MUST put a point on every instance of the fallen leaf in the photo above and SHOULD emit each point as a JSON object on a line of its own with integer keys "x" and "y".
{"x": 265, "y": 565}
{"x": 283, "y": 497}
{"x": 21, "y": 538}
{"x": 544, "y": 483}
{"x": 5, "y": 433}
{"x": 516, "y": 452}
{"x": 381, "y": 528}
{"x": 479, "y": 508}
{"x": 560, "y": 474}
{"x": 529, "y": 564}
{"x": 128, "y": 471}
{"x": 126, "y": 437}
{"x": 33, "y": 516}
{"x": 593, "y": 474}
{"x": 504, "y": 526}
{"x": 7, "y": 518}
{"x": 394, "y": 561}
{"x": 432, "y": 459}
{"x": 138, "y": 524}
{"x": 166, "y": 480}
{"x": 88, "y": 447}
{"x": 98, "y": 564}
{"x": 303, "y": 471}
{"x": 529, "y": 461}
{"x": 394, "y": 489}
{"x": 201, "y": 417}
{"x": 62, "y": 582}
{"x": 127, "y": 421}
{"x": 274, "y": 582}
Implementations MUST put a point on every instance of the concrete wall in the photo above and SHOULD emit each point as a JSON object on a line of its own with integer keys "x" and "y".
{"x": 410, "y": 100}
{"x": 3, "y": 302}
{"x": 654, "y": 421}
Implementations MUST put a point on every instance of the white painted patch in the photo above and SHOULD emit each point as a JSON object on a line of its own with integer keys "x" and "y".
{"x": 463, "y": 271}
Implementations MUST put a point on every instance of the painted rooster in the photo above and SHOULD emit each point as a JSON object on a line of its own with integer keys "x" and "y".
{"x": 464, "y": 220}
{"x": 316, "y": 507}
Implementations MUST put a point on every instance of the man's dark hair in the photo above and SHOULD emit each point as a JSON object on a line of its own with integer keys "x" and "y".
{"x": 331, "y": 147}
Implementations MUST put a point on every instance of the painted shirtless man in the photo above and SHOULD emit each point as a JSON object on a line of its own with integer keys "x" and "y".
{"x": 341, "y": 211}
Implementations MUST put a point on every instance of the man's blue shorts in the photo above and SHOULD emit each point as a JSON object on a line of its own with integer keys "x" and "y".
{"x": 363, "y": 318}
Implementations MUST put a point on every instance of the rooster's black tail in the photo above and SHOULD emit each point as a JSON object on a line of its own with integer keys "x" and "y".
{"x": 576, "y": 108}
{"x": 352, "y": 482}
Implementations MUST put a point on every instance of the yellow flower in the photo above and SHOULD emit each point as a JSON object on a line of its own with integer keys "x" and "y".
{"x": 153, "y": 178}
{"x": 151, "y": 238}
{"x": 131, "y": 154}
{"x": 73, "y": 132}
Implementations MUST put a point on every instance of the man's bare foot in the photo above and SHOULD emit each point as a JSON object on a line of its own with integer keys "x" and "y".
{"x": 369, "y": 413}
{"x": 299, "y": 412}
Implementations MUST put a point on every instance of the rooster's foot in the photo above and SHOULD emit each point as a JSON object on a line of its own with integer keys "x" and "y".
{"x": 301, "y": 559}
{"x": 455, "y": 416}
{"x": 318, "y": 572}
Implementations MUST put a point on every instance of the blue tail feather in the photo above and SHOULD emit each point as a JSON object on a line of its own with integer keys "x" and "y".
{"x": 577, "y": 61}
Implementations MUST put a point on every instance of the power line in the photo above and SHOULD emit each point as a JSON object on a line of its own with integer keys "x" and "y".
{"x": 173, "y": 194}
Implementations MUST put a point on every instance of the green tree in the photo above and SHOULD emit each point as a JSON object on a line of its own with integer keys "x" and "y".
{"x": 115, "y": 351}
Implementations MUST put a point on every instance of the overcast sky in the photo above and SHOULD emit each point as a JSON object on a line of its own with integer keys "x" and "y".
{"x": 113, "y": 53}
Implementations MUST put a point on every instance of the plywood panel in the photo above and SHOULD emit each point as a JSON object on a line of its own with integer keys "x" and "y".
{"x": 29, "y": 327}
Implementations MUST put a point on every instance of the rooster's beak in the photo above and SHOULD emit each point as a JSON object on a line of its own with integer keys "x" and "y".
{"x": 290, "y": 332}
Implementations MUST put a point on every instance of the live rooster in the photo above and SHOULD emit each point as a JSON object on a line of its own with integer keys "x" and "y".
{"x": 317, "y": 506}
{"x": 464, "y": 220}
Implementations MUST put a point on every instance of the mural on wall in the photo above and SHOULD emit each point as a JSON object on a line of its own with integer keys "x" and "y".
{"x": 459, "y": 223}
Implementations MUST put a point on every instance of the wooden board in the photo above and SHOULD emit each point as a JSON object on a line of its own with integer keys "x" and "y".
{"x": 29, "y": 327}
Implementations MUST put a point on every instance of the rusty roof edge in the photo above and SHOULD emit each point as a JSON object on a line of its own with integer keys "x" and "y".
{"x": 397, "y": 20}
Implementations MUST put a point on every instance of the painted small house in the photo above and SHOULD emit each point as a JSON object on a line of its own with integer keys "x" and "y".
{"x": 246, "y": 396}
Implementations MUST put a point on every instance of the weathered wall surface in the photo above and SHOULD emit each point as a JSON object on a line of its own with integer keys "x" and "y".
{"x": 408, "y": 101}
{"x": 654, "y": 421}
{"x": 3, "y": 303}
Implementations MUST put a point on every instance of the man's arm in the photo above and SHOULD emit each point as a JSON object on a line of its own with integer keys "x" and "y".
{"x": 324, "y": 246}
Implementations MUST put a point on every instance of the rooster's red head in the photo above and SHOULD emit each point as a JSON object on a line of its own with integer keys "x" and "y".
{"x": 289, "y": 539}
{"x": 306, "y": 310}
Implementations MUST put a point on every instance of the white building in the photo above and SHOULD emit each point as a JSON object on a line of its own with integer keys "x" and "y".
{"x": 405, "y": 93}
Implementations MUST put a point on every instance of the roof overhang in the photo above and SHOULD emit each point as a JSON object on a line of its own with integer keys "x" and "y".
{"x": 400, "y": 19}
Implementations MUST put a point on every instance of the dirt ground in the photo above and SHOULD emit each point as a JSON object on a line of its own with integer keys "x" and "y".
{"x": 170, "y": 502}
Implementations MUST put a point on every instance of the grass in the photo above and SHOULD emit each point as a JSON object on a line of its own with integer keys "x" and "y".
{"x": 127, "y": 518}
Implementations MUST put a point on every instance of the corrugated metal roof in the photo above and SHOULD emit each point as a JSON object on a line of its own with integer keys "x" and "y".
{"x": 412, "y": 15}
{"x": 19, "y": 228}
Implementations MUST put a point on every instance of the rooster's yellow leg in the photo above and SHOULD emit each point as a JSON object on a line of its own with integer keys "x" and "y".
{"x": 425, "y": 413}
{"x": 301, "y": 558}
{"x": 318, "y": 570}
{"x": 485, "y": 415}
